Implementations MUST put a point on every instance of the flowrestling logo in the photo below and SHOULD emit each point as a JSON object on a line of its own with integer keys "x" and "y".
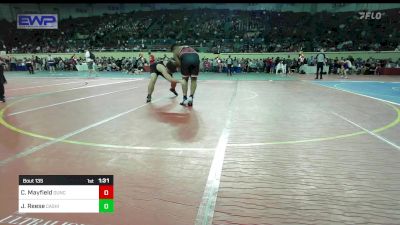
{"x": 370, "y": 15}
{"x": 37, "y": 21}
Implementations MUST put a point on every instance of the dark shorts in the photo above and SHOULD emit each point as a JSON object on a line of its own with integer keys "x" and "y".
{"x": 152, "y": 70}
{"x": 190, "y": 64}
{"x": 160, "y": 74}
{"x": 156, "y": 72}
{"x": 164, "y": 77}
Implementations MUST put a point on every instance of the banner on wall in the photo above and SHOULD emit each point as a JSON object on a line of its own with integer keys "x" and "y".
{"x": 37, "y": 21}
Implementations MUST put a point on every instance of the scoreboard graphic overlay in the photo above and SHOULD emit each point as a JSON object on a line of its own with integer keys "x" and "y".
{"x": 66, "y": 194}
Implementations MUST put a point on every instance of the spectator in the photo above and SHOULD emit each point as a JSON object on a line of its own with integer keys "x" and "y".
{"x": 280, "y": 68}
{"x": 346, "y": 68}
{"x": 151, "y": 58}
{"x": 90, "y": 57}
{"x": 140, "y": 63}
{"x": 29, "y": 65}
{"x": 51, "y": 63}
{"x": 13, "y": 64}
{"x": 207, "y": 65}
{"x": 2, "y": 81}
{"x": 235, "y": 65}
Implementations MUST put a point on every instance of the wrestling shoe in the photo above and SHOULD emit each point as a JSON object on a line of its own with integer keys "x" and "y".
{"x": 190, "y": 101}
{"x": 173, "y": 91}
{"x": 184, "y": 102}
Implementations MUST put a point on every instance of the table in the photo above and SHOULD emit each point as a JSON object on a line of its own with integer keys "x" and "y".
{"x": 84, "y": 67}
{"x": 389, "y": 71}
{"x": 312, "y": 69}
{"x": 21, "y": 67}
{"x": 234, "y": 69}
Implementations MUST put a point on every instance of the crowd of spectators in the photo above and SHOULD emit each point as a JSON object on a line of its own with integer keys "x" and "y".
{"x": 137, "y": 64}
{"x": 124, "y": 64}
{"x": 211, "y": 31}
{"x": 294, "y": 65}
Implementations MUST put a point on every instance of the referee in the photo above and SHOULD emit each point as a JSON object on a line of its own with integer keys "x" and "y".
{"x": 320, "y": 63}
{"x": 229, "y": 62}
{"x": 2, "y": 81}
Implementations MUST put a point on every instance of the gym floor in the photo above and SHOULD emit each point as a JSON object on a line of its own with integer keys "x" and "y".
{"x": 254, "y": 148}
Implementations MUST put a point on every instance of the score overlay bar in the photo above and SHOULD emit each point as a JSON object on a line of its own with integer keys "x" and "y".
{"x": 66, "y": 194}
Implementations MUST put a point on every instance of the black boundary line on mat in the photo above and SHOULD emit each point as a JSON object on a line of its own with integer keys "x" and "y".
{"x": 146, "y": 2}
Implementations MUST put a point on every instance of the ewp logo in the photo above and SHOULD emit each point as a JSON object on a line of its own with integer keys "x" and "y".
{"x": 37, "y": 21}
